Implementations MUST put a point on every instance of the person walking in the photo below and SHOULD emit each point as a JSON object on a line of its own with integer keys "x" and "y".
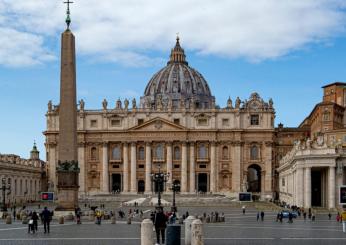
{"x": 304, "y": 215}
{"x": 35, "y": 221}
{"x": 244, "y": 209}
{"x": 46, "y": 217}
{"x": 343, "y": 218}
{"x": 262, "y": 216}
{"x": 14, "y": 214}
{"x": 258, "y": 215}
{"x": 160, "y": 221}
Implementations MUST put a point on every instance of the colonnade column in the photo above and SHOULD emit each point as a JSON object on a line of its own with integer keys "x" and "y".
{"x": 169, "y": 166}
{"x": 184, "y": 168}
{"x": 147, "y": 167}
{"x": 299, "y": 183}
{"x": 126, "y": 168}
{"x": 331, "y": 187}
{"x": 307, "y": 186}
{"x": 192, "y": 168}
{"x": 213, "y": 168}
{"x": 133, "y": 168}
{"x": 105, "y": 170}
{"x": 81, "y": 165}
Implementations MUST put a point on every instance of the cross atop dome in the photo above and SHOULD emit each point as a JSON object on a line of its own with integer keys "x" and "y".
{"x": 177, "y": 53}
{"x": 68, "y": 18}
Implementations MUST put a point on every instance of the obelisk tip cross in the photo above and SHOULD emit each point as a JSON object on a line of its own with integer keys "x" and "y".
{"x": 68, "y": 19}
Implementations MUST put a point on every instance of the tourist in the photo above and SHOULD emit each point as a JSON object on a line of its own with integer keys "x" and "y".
{"x": 290, "y": 217}
{"x": 329, "y": 216}
{"x": 98, "y": 217}
{"x": 160, "y": 221}
{"x": 262, "y": 216}
{"x": 338, "y": 217}
{"x": 78, "y": 214}
{"x": 243, "y": 208}
{"x": 343, "y": 219}
{"x": 258, "y": 215}
{"x": 14, "y": 214}
{"x": 46, "y": 217}
{"x": 304, "y": 215}
{"x": 35, "y": 219}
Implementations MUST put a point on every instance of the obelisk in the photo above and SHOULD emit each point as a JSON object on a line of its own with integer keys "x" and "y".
{"x": 67, "y": 169}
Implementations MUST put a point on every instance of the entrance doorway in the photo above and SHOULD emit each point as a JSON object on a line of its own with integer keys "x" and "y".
{"x": 177, "y": 183}
{"x": 202, "y": 182}
{"x": 141, "y": 186}
{"x": 254, "y": 178}
{"x": 316, "y": 189}
{"x": 116, "y": 183}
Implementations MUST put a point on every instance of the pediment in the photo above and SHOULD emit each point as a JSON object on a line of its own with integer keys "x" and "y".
{"x": 158, "y": 124}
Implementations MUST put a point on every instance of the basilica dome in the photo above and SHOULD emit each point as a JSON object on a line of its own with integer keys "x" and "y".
{"x": 177, "y": 85}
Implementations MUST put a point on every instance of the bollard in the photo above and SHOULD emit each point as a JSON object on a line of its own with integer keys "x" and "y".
{"x": 173, "y": 234}
{"x": 197, "y": 233}
{"x": 129, "y": 220}
{"x": 8, "y": 220}
{"x": 188, "y": 222}
{"x": 61, "y": 220}
{"x": 147, "y": 232}
{"x": 113, "y": 220}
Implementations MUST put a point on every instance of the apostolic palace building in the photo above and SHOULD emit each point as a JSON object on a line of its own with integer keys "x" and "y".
{"x": 177, "y": 128}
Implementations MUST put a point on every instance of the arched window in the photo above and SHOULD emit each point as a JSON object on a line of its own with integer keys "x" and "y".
{"x": 116, "y": 153}
{"x": 176, "y": 153}
{"x": 202, "y": 152}
{"x": 254, "y": 152}
{"x": 159, "y": 151}
{"x": 225, "y": 155}
{"x": 141, "y": 153}
{"x": 93, "y": 153}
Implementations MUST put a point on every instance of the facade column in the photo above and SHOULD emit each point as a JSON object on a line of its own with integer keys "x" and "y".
{"x": 268, "y": 168}
{"x": 263, "y": 174}
{"x": 213, "y": 168}
{"x": 184, "y": 168}
{"x": 236, "y": 166}
{"x": 307, "y": 188}
{"x": 169, "y": 166}
{"x": 192, "y": 168}
{"x": 105, "y": 169}
{"x": 81, "y": 164}
{"x": 133, "y": 168}
{"x": 147, "y": 167}
{"x": 299, "y": 183}
{"x": 126, "y": 168}
{"x": 331, "y": 187}
{"x": 52, "y": 163}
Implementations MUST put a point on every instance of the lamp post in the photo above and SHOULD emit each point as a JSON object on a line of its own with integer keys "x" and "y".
{"x": 175, "y": 188}
{"x": 5, "y": 188}
{"x": 159, "y": 179}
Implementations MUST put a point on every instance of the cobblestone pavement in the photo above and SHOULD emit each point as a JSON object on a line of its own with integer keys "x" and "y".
{"x": 238, "y": 229}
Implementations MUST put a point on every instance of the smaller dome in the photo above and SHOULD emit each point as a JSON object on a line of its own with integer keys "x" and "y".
{"x": 177, "y": 85}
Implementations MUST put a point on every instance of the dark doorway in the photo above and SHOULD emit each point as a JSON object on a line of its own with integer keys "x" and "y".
{"x": 116, "y": 183}
{"x": 316, "y": 189}
{"x": 254, "y": 178}
{"x": 202, "y": 182}
{"x": 177, "y": 183}
{"x": 141, "y": 186}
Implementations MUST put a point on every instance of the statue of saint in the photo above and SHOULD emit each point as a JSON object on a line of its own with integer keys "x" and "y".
{"x": 229, "y": 103}
{"x": 134, "y": 105}
{"x": 104, "y": 104}
{"x": 237, "y": 103}
{"x": 271, "y": 103}
{"x": 81, "y": 104}
{"x": 126, "y": 104}
{"x": 50, "y": 106}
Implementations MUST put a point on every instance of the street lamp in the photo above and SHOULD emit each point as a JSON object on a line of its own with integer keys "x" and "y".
{"x": 5, "y": 188}
{"x": 159, "y": 179}
{"x": 175, "y": 188}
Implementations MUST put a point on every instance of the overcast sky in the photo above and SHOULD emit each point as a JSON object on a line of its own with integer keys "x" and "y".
{"x": 285, "y": 50}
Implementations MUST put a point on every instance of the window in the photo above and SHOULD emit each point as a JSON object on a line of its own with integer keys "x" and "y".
{"x": 176, "y": 153}
{"x": 225, "y": 122}
{"x": 202, "y": 122}
{"x": 116, "y": 166}
{"x": 140, "y": 121}
{"x": 254, "y": 120}
{"x": 115, "y": 122}
{"x": 116, "y": 153}
{"x": 159, "y": 152}
{"x": 15, "y": 187}
{"x": 326, "y": 116}
{"x": 141, "y": 166}
{"x": 202, "y": 152}
{"x": 225, "y": 153}
{"x": 176, "y": 121}
{"x": 93, "y": 153}
{"x": 283, "y": 182}
{"x": 93, "y": 123}
{"x": 202, "y": 166}
{"x": 176, "y": 166}
{"x": 254, "y": 152}
{"x": 141, "y": 153}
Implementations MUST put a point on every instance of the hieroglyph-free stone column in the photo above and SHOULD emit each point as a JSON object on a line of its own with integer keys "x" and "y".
{"x": 307, "y": 188}
{"x": 213, "y": 167}
{"x": 169, "y": 166}
{"x": 299, "y": 183}
{"x": 184, "y": 168}
{"x": 236, "y": 166}
{"x": 147, "y": 167}
{"x": 105, "y": 169}
{"x": 133, "y": 168}
{"x": 81, "y": 163}
{"x": 192, "y": 168}
{"x": 331, "y": 187}
{"x": 126, "y": 168}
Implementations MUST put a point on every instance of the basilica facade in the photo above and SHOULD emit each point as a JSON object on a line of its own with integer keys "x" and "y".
{"x": 175, "y": 128}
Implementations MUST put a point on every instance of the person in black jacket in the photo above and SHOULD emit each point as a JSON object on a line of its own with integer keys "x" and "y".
{"x": 46, "y": 217}
{"x": 35, "y": 219}
{"x": 160, "y": 222}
